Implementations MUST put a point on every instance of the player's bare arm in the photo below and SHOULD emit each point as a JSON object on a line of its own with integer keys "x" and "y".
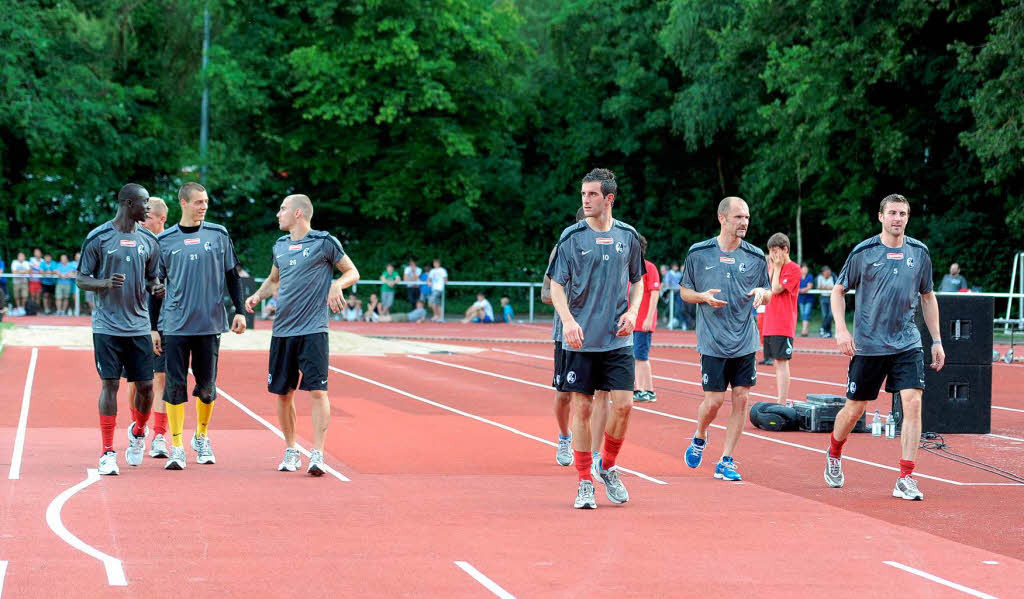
{"x": 545, "y": 288}
{"x": 266, "y": 290}
{"x": 930, "y": 312}
{"x": 692, "y": 296}
{"x": 116, "y": 281}
{"x": 843, "y": 337}
{"x": 627, "y": 322}
{"x": 155, "y": 288}
{"x": 349, "y": 277}
{"x": 571, "y": 330}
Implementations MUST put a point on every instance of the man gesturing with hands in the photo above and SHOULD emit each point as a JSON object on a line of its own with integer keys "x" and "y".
{"x": 728, "y": 279}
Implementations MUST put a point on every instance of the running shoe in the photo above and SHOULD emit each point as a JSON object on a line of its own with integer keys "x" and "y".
{"x": 906, "y": 488}
{"x": 195, "y": 442}
{"x": 585, "y": 496}
{"x": 834, "y": 471}
{"x": 136, "y": 446}
{"x": 651, "y": 396}
{"x": 316, "y": 463}
{"x": 108, "y": 464}
{"x": 641, "y": 396}
{"x": 595, "y": 461}
{"x": 158, "y": 448}
{"x": 726, "y": 470}
{"x": 205, "y": 451}
{"x": 177, "y": 459}
{"x": 291, "y": 461}
{"x": 695, "y": 452}
{"x": 613, "y": 487}
{"x": 564, "y": 454}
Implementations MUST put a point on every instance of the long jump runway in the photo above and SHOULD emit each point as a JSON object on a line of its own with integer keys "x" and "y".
{"x": 447, "y": 487}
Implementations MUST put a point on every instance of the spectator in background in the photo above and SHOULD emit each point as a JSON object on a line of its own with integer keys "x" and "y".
{"x": 66, "y": 273}
{"x": 372, "y": 313}
{"x": 954, "y": 281}
{"x": 826, "y": 281}
{"x": 353, "y": 308}
{"x": 805, "y": 300}
{"x": 389, "y": 278}
{"x": 438, "y": 277}
{"x": 411, "y": 275}
{"x": 670, "y": 285}
{"x": 3, "y": 281}
{"x": 20, "y": 266}
{"x": 780, "y": 314}
{"x": 35, "y": 285}
{"x": 49, "y": 281}
{"x": 506, "y": 310}
{"x": 424, "y": 287}
{"x": 72, "y": 303}
{"x": 480, "y": 311}
{"x": 419, "y": 314}
{"x": 646, "y": 321}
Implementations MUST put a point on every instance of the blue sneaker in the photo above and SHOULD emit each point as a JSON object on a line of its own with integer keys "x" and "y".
{"x": 726, "y": 470}
{"x": 695, "y": 452}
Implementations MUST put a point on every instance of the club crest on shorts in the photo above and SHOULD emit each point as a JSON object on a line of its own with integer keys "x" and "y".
{"x": 571, "y": 377}
{"x": 852, "y": 387}
{"x": 270, "y": 377}
{"x": 704, "y": 379}
{"x": 558, "y": 379}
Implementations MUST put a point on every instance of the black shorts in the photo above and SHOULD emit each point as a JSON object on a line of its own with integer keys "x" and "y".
{"x": 778, "y": 347}
{"x": 585, "y": 372}
{"x": 159, "y": 362}
{"x": 904, "y": 370}
{"x": 131, "y": 355}
{"x": 50, "y": 288}
{"x": 202, "y": 352}
{"x": 291, "y": 355}
{"x": 717, "y": 374}
{"x": 556, "y": 377}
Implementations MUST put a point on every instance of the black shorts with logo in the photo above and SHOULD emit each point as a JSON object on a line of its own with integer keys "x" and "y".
{"x": 778, "y": 347}
{"x": 585, "y": 372}
{"x": 289, "y": 356}
{"x": 159, "y": 362}
{"x": 904, "y": 370}
{"x": 201, "y": 351}
{"x": 556, "y": 377}
{"x": 717, "y": 374}
{"x": 132, "y": 356}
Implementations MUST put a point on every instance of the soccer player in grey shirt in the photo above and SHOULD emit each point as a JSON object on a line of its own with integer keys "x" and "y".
{"x": 727, "y": 337}
{"x": 890, "y": 271}
{"x": 594, "y": 262}
{"x": 304, "y": 261}
{"x": 198, "y": 262}
{"x": 120, "y": 264}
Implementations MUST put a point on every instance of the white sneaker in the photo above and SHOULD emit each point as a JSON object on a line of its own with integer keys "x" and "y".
{"x": 291, "y": 461}
{"x": 316, "y": 463}
{"x": 136, "y": 446}
{"x": 563, "y": 456}
{"x": 906, "y": 488}
{"x": 158, "y": 448}
{"x": 205, "y": 451}
{"x": 585, "y": 496}
{"x": 177, "y": 459}
{"x": 108, "y": 464}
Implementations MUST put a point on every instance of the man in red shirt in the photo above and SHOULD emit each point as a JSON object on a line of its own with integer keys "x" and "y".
{"x": 646, "y": 321}
{"x": 780, "y": 314}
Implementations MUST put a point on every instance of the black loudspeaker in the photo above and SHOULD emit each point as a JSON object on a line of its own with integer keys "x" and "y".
{"x": 965, "y": 322}
{"x": 957, "y": 399}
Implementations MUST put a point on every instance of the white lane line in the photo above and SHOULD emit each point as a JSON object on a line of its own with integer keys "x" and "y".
{"x": 3, "y": 570}
{"x": 276, "y": 431}
{"x": 1004, "y": 437}
{"x": 19, "y": 438}
{"x": 474, "y": 416}
{"x": 487, "y": 582}
{"x": 942, "y": 581}
{"x": 1007, "y": 409}
{"x": 115, "y": 573}
{"x": 746, "y": 433}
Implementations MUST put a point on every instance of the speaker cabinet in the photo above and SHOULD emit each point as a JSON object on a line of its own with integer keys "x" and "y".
{"x": 957, "y": 399}
{"x": 965, "y": 323}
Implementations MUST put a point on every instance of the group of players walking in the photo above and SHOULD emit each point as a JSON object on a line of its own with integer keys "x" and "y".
{"x": 159, "y": 314}
{"x": 599, "y": 258}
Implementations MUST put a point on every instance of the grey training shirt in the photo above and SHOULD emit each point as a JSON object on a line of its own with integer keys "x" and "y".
{"x": 121, "y": 312}
{"x": 193, "y": 267}
{"x": 305, "y": 268}
{"x": 595, "y": 268}
{"x": 729, "y": 331}
{"x": 889, "y": 284}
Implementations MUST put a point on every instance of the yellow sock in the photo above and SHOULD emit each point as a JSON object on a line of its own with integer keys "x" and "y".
{"x": 176, "y": 422}
{"x": 203, "y": 412}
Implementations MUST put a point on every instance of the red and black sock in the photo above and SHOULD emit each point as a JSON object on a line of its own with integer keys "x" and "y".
{"x": 583, "y": 461}
{"x": 107, "y": 425}
{"x": 835, "y": 448}
{"x": 611, "y": 451}
{"x": 906, "y": 468}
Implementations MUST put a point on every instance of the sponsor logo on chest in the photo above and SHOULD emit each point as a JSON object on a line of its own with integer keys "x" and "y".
{"x": 191, "y": 241}
{"x": 604, "y": 241}
{"x": 726, "y": 260}
{"x": 894, "y": 256}
{"x": 129, "y": 243}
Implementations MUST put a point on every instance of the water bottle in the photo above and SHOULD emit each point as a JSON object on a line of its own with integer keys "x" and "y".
{"x": 876, "y": 425}
{"x": 890, "y": 427}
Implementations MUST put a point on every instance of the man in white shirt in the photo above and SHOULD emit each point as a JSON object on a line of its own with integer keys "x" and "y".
{"x": 480, "y": 311}
{"x": 437, "y": 277}
{"x": 20, "y": 266}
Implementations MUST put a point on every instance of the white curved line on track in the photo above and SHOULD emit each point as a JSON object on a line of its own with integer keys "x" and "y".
{"x": 115, "y": 572}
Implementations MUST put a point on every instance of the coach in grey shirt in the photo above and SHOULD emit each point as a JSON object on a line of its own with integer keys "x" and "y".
{"x": 728, "y": 279}
{"x": 303, "y": 263}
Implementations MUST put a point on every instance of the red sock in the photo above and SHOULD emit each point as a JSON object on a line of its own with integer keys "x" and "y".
{"x": 107, "y": 425}
{"x": 583, "y": 461}
{"x": 835, "y": 448}
{"x": 906, "y": 468}
{"x": 611, "y": 451}
{"x": 135, "y": 413}
{"x": 140, "y": 423}
{"x": 159, "y": 423}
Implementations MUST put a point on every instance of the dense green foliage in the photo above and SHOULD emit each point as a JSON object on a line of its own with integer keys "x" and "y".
{"x": 461, "y": 128}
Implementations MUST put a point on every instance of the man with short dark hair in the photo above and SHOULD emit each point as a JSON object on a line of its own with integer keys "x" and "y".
{"x": 891, "y": 273}
{"x": 727, "y": 337}
{"x": 438, "y": 278}
{"x": 66, "y": 272}
{"x": 954, "y": 281}
{"x": 199, "y": 266}
{"x": 825, "y": 282}
{"x": 411, "y": 276}
{"x": 304, "y": 261}
{"x": 594, "y": 262}
{"x": 780, "y": 314}
{"x": 49, "y": 281}
{"x": 120, "y": 262}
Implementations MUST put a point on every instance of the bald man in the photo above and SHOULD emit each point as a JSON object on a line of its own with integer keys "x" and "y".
{"x": 303, "y": 264}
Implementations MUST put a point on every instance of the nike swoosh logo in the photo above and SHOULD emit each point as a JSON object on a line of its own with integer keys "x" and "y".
{"x": 175, "y": 251}
{"x": 279, "y": 255}
{"x": 585, "y": 252}
{"x": 323, "y": 382}
{"x": 877, "y": 264}
{"x": 709, "y": 267}
{"x": 111, "y": 251}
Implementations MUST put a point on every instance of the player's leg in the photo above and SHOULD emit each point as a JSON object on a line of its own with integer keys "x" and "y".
{"x": 741, "y": 375}
{"x": 313, "y": 362}
{"x": 578, "y": 379}
{"x": 176, "y": 352}
{"x": 138, "y": 363}
{"x": 158, "y": 447}
{"x": 205, "y": 350}
{"x": 864, "y": 379}
{"x": 108, "y": 366}
{"x": 282, "y": 379}
{"x": 713, "y": 381}
{"x": 563, "y": 403}
{"x": 906, "y": 376}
